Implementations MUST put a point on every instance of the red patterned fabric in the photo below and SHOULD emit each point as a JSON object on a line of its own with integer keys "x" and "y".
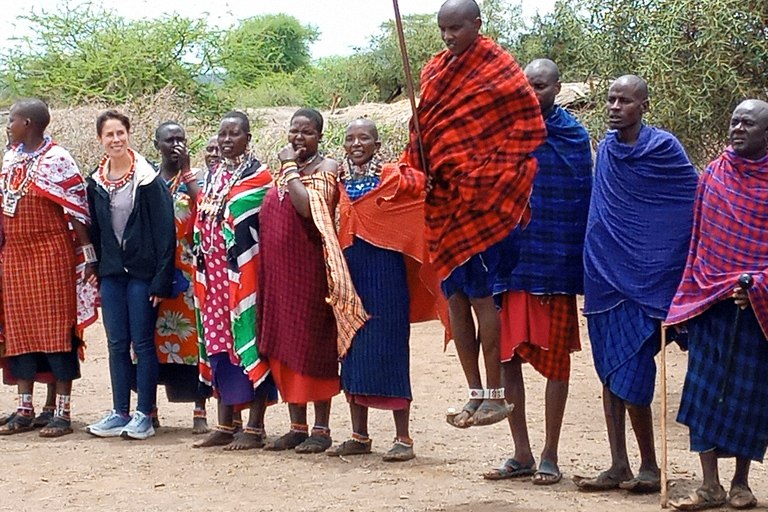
{"x": 730, "y": 226}
{"x": 480, "y": 122}
{"x": 297, "y": 326}
{"x": 542, "y": 329}
{"x": 38, "y": 278}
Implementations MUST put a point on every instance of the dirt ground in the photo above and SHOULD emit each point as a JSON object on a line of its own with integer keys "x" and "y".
{"x": 165, "y": 473}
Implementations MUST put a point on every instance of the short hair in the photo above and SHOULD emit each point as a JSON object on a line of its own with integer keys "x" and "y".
{"x": 468, "y": 8}
{"x": 311, "y": 114}
{"x": 34, "y": 109}
{"x": 240, "y": 116}
{"x": 112, "y": 114}
{"x": 165, "y": 125}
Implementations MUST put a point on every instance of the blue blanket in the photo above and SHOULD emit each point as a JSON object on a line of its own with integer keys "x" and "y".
{"x": 551, "y": 246}
{"x": 640, "y": 221}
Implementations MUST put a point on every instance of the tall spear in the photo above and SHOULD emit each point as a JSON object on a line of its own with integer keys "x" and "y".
{"x": 409, "y": 82}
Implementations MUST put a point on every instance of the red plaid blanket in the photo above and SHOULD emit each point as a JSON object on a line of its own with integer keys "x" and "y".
{"x": 480, "y": 121}
{"x": 730, "y": 237}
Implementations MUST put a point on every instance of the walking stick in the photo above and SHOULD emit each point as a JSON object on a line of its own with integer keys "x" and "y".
{"x": 409, "y": 82}
{"x": 664, "y": 491}
{"x": 745, "y": 283}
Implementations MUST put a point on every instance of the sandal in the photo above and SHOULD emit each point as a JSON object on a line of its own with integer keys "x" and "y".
{"x": 351, "y": 447}
{"x": 469, "y": 409}
{"x": 741, "y": 497}
{"x": 548, "y": 474}
{"x": 400, "y": 452}
{"x": 497, "y": 412}
{"x": 287, "y": 441}
{"x": 57, "y": 427}
{"x": 644, "y": 482}
{"x": 316, "y": 443}
{"x": 605, "y": 481}
{"x": 511, "y": 469}
{"x": 43, "y": 419}
{"x": 701, "y": 499}
{"x": 18, "y": 424}
{"x": 5, "y": 419}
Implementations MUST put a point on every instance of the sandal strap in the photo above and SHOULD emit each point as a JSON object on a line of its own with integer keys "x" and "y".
{"x": 486, "y": 394}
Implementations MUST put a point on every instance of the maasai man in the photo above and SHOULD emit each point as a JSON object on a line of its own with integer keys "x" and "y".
{"x": 176, "y": 334}
{"x": 383, "y": 243}
{"x": 634, "y": 253}
{"x": 480, "y": 121}
{"x": 45, "y": 219}
{"x": 539, "y": 320}
{"x": 725, "y": 397}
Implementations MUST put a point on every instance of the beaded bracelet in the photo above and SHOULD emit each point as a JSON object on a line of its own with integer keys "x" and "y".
{"x": 188, "y": 176}
{"x": 287, "y": 166}
{"x": 90, "y": 254}
{"x": 290, "y": 176}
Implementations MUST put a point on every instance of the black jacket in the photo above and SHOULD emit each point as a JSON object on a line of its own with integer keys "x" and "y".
{"x": 149, "y": 241}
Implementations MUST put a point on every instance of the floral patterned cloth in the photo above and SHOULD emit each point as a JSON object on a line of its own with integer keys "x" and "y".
{"x": 176, "y": 332}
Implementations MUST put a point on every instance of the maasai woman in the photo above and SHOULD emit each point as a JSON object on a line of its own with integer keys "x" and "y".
{"x": 135, "y": 238}
{"x": 297, "y": 328}
{"x": 226, "y": 245}
{"x": 45, "y": 218}
{"x": 375, "y": 372}
{"x": 176, "y": 333}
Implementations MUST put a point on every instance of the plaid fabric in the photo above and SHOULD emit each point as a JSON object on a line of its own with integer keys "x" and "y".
{"x": 552, "y": 244}
{"x": 734, "y": 426}
{"x": 543, "y": 330}
{"x": 240, "y": 227}
{"x": 639, "y": 223}
{"x": 624, "y": 343}
{"x": 38, "y": 278}
{"x": 480, "y": 121}
{"x": 346, "y": 303}
{"x": 730, "y": 223}
{"x": 296, "y": 325}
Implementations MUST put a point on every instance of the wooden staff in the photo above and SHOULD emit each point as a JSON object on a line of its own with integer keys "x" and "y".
{"x": 664, "y": 494}
{"x": 409, "y": 82}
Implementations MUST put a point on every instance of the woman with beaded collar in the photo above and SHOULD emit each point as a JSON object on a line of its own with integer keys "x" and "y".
{"x": 227, "y": 247}
{"x": 134, "y": 235}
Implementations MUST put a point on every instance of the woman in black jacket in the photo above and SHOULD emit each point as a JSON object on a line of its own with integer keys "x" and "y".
{"x": 134, "y": 235}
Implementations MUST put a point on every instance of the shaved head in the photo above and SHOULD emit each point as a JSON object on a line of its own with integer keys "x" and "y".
{"x": 366, "y": 124}
{"x": 758, "y": 106}
{"x": 635, "y": 83}
{"x": 748, "y": 130}
{"x": 35, "y": 110}
{"x": 467, "y": 9}
{"x": 544, "y": 68}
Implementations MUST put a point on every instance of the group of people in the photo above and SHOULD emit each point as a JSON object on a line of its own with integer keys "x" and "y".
{"x": 238, "y": 282}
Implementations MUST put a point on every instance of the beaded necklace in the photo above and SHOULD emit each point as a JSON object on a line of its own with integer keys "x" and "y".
{"x": 355, "y": 172}
{"x": 215, "y": 189}
{"x": 282, "y": 185}
{"x": 21, "y": 174}
{"x": 102, "y": 174}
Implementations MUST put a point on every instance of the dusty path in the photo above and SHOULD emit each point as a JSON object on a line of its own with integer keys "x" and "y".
{"x": 79, "y": 472}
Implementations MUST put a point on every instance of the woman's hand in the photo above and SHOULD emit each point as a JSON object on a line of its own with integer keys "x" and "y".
{"x": 155, "y": 300}
{"x": 90, "y": 277}
{"x": 288, "y": 153}
{"x": 741, "y": 297}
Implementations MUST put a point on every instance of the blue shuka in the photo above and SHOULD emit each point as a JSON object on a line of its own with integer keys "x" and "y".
{"x": 638, "y": 231}
{"x": 552, "y": 244}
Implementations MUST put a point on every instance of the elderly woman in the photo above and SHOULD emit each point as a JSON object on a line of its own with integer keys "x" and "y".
{"x": 297, "y": 326}
{"x": 134, "y": 235}
{"x": 226, "y": 245}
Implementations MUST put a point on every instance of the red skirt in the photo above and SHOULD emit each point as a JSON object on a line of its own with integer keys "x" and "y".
{"x": 302, "y": 389}
{"x": 38, "y": 279}
{"x": 542, "y": 330}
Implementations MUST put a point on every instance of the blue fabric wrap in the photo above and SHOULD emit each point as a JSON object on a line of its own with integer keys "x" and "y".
{"x": 552, "y": 245}
{"x": 639, "y": 224}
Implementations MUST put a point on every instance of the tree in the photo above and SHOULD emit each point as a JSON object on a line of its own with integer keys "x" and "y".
{"x": 85, "y": 53}
{"x": 264, "y": 45}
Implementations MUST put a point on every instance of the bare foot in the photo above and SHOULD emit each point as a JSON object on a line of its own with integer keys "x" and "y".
{"x": 245, "y": 441}
{"x": 216, "y": 438}
{"x": 200, "y": 426}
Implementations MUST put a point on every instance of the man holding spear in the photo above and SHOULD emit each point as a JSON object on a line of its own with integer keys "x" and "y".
{"x": 470, "y": 145}
{"x": 725, "y": 397}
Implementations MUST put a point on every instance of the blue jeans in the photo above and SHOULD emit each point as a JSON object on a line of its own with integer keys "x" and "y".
{"x": 130, "y": 317}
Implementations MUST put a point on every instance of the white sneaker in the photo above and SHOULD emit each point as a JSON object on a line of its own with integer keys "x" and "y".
{"x": 110, "y": 425}
{"x": 140, "y": 427}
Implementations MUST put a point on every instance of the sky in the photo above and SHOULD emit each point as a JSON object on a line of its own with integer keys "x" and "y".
{"x": 344, "y": 24}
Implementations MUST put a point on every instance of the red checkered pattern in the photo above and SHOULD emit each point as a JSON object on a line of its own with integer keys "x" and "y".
{"x": 480, "y": 123}
{"x": 38, "y": 278}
